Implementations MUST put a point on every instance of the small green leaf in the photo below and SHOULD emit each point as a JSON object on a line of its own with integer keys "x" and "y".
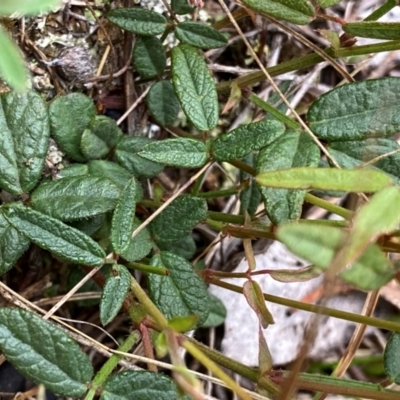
{"x": 182, "y": 292}
{"x": 319, "y": 244}
{"x": 181, "y": 152}
{"x": 391, "y": 358}
{"x": 185, "y": 247}
{"x": 138, "y": 20}
{"x": 188, "y": 210}
{"x": 296, "y": 11}
{"x": 245, "y": 139}
{"x": 101, "y": 136}
{"x": 44, "y": 353}
{"x": 194, "y": 87}
{"x": 254, "y": 296}
{"x": 181, "y": 7}
{"x": 55, "y": 236}
{"x": 149, "y": 57}
{"x": 184, "y": 324}
{"x": 115, "y": 289}
{"x": 110, "y": 170}
{"x": 354, "y": 153}
{"x": 123, "y": 217}
{"x": 27, "y": 7}
{"x": 143, "y": 385}
{"x": 127, "y": 156}
{"x": 347, "y": 180}
{"x": 12, "y": 67}
{"x": 12, "y": 244}
{"x": 373, "y": 29}
{"x": 250, "y": 196}
{"x": 293, "y": 149}
{"x": 163, "y": 103}
{"x": 199, "y": 35}
{"x": 70, "y": 115}
{"x": 24, "y": 126}
{"x": 217, "y": 313}
{"x": 74, "y": 170}
{"x": 327, "y": 3}
{"x": 76, "y": 197}
{"x": 140, "y": 246}
{"x": 90, "y": 226}
{"x": 294, "y": 275}
{"x": 358, "y": 110}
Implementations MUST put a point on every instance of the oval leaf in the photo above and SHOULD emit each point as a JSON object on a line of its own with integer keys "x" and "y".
{"x": 299, "y": 12}
{"x": 112, "y": 171}
{"x": 181, "y": 7}
{"x": 163, "y": 103}
{"x": 243, "y": 140}
{"x": 346, "y": 180}
{"x": 44, "y": 353}
{"x": 194, "y": 87}
{"x": 391, "y": 359}
{"x": 12, "y": 244}
{"x": 139, "y": 246}
{"x": 149, "y": 57}
{"x": 293, "y": 149}
{"x": 217, "y": 313}
{"x": 138, "y": 20}
{"x": 53, "y": 235}
{"x": 12, "y": 67}
{"x": 182, "y": 292}
{"x": 123, "y": 217}
{"x": 115, "y": 289}
{"x": 199, "y": 35}
{"x": 188, "y": 210}
{"x": 127, "y": 155}
{"x": 373, "y": 29}
{"x": 181, "y": 152}
{"x": 69, "y": 116}
{"x": 143, "y": 385}
{"x": 75, "y": 197}
{"x": 358, "y": 110}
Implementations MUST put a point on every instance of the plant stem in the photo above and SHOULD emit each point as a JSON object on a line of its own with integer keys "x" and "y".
{"x": 148, "y": 268}
{"x": 382, "y": 10}
{"x": 219, "y": 193}
{"x": 326, "y": 205}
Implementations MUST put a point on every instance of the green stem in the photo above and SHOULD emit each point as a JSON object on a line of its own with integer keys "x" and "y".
{"x": 110, "y": 364}
{"x": 382, "y": 10}
{"x": 219, "y": 193}
{"x": 273, "y": 111}
{"x": 228, "y": 218}
{"x": 326, "y": 205}
{"x": 150, "y": 307}
{"x": 330, "y": 312}
{"x": 306, "y": 61}
{"x": 148, "y": 268}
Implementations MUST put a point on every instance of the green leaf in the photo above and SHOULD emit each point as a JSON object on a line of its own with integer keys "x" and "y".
{"x": 70, "y": 115}
{"x": 347, "y": 180}
{"x": 181, "y": 7}
{"x": 250, "y": 197}
{"x": 12, "y": 244}
{"x": 302, "y": 274}
{"x": 327, "y": 3}
{"x": 123, "y": 217}
{"x": 182, "y": 292}
{"x": 185, "y": 247}
{"x": 163, "y": 103}
{"x": 199, "y": 35}
{"x": 354, "y": 153}
{"x": 391, "y": 358}
{"x": 149, "y": 57}
{"x": 184, "y": 324}
{"x": 127, "y": 156}
{"x": 245, "y": 139}
{"x": 140, "y": 246}
{"x": 217, "y": 314}
{"x": 44, "y": 353}
{"x": 293, "y": 149}
{"x": 181, "y": 152}
{"x": 138, "y": 20}
{"x": 178, "y": 219}
{"x": 112, "y": 171}
{"x": 143, "y": 385}
{"x": 74, "y": 170}
{"x": 27, "y": 7}
{"x": 358, "y": 110}
{"x": 373, "y": 29}
{"x": 25, "y": 133}
{"x": 76, "y": 197}
{"x": 115, "y": 289}
{"x": 90, "y": 226}
{"x": 194, "y": 87}
{"x": 101, "y": 136}
{"x": 297, "y": 11}
{"x": 319, "y": 244}
{"x": 12, "y": 67}
{"x": 53, "y": 235}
